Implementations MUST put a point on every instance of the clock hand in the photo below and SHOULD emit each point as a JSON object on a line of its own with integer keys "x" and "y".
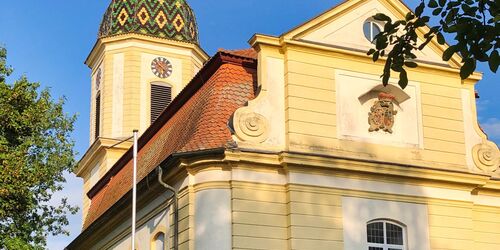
{"x": 163, "y": 67}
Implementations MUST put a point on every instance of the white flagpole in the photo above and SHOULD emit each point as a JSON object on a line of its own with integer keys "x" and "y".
{"x": 134, "y": 191}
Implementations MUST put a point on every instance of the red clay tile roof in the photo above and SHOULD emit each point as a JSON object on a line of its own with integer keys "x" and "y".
{"x": 250, "y": 53}
{"x": 196, "y": 120}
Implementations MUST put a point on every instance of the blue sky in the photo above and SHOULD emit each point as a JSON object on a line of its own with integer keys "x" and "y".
{"x": 49, "y": 41}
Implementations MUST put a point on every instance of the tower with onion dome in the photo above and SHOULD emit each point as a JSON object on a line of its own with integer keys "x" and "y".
{"x": 146, "y": 52}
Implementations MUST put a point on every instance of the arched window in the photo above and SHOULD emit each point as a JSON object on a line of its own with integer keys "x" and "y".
{"x": 97, "y": 131}
{"x": 161, "y": 97}
{"x": 371, "y": 30}
{"x": 159, "y": 241}
{"x": 385, "y": 235}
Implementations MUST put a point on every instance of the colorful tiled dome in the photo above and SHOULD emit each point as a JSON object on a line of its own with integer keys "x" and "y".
{"x": 170, "y": 19}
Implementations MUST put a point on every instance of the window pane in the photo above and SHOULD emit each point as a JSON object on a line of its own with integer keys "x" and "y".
{"x": 367, "y": 30}
{"x": 375, "y": 248}
{"x": 375, "y": 232}
{"x": 376, "y": 30}
{"x": 394, "y": 234}
{"x": 395, "y": 248}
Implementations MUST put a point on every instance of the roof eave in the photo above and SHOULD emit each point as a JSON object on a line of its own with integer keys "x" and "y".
{"x": 167, "y": 165}
{"x": 196, "y": 83}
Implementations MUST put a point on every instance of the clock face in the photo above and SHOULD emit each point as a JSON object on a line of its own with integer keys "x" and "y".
{"x": 161, "y": 67}
{"x": 98, "y": 79}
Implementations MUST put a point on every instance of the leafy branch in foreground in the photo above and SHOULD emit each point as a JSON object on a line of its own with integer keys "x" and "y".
{"x": 35, "y": 151}
{"x": 475, "y": 25}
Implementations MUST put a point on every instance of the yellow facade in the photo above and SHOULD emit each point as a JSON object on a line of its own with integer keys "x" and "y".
{"x": 125, "y": 65}
{"x": 308, "y": 174}
{"x": 297, "y": 216}
{"x": 270, "y": 209}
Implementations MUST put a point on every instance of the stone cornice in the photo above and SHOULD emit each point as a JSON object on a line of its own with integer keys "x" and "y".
{"x": 295, "y": 161}
{"x": 101, "y": 44}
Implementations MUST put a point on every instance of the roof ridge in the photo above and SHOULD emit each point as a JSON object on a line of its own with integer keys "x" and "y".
{"x": 246, "y": 53}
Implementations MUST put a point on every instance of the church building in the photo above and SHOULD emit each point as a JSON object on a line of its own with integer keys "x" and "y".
{"x": 291, "y": 143}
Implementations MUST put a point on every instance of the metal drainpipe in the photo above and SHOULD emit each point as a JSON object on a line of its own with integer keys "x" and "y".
{"x": 176, "y": 213}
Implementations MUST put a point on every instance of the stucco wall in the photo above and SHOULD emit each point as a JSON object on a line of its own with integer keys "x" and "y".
{"x": 312, "y": 112}
{"x": 254, "y": 206}
{"x": 259, "y": 216}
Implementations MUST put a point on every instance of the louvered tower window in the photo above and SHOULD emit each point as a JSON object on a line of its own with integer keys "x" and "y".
{"x": 97, "y": 115}
{"x": 161, "y": 97}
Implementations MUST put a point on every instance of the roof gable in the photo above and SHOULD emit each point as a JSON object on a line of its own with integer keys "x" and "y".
{"x": 195, "y": 121}
{"x": 342, "y": 26}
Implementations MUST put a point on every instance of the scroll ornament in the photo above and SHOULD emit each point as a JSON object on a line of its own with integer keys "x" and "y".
{"x": 250, "y": 126}
{"x": 487, "y": 156}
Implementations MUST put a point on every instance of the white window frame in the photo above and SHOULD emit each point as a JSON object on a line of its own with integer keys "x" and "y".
{"x": 371, "y": 23}
{"x": 384, "y": 245}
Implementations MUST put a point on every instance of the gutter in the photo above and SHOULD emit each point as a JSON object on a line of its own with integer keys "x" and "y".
{"x": 174, "y": 196}
{"x": 167, "y": 165}
{"x": 196, "y": 83}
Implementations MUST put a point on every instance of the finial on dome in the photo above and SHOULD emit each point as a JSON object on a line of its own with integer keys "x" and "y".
{"x": 169, "y": 19}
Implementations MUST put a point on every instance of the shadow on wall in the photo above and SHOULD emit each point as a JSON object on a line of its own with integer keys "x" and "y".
{"x": 424, "y": 211}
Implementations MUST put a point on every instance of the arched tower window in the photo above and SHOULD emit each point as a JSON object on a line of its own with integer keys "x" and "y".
{"x": 97, "y": 115}
{"x": 161, "y": 97}
{"x": 385, "y": 235}
{"x": 159, "y": 241}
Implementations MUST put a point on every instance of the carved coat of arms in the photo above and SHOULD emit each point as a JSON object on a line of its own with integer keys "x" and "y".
{"x": 382, "y": 113}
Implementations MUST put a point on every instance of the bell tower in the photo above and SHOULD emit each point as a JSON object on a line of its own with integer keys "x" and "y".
{"x": 146, "y": 52}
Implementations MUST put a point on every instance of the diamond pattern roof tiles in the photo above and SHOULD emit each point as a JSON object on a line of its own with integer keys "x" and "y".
{"x": 170, "y": 19}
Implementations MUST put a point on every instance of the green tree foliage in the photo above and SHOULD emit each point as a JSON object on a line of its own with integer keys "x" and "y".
{"x": 35, "y": 152}
{"x": 475, "y": 25}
